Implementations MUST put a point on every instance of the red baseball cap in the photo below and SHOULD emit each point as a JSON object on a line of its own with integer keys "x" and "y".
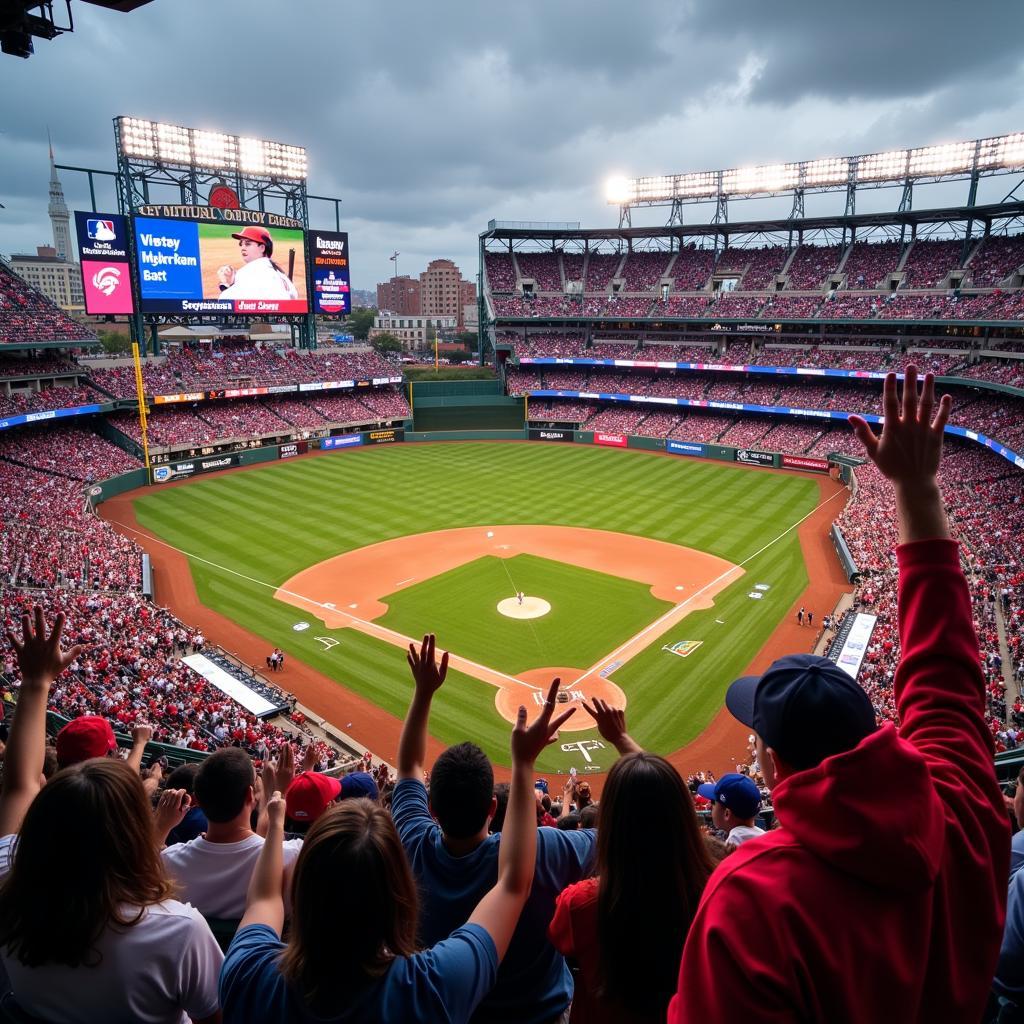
{"x": 310, "y": 795}
{"x": 254, "y": 234}
{"x": 83, "y": 738}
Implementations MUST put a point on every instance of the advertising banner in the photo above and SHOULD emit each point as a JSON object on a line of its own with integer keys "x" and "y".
{"x": 289, "y": 451}
{"x": 328, "y": 258}
{"x": 684, "y": 447}
{"x": 611, "y": 440}
{"x": 341, "y": 441}
{"x": 384, "y": 436}
{"x": 855, "y": 646}
{"x": 751, "y": 458}
{"x": 189, "y": 396}
{"x": 551, "y": 435}
{"x": 103, "y": 258}
{"x": 200, "y": 266}
{"x": 803, "y": 462}
{"x": 192, "y": 467}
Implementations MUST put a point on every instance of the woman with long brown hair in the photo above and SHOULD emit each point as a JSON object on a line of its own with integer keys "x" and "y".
{"x": 351, "y": 953}
{"x": 626, "y": 926}
{"x": 88, "y": 929}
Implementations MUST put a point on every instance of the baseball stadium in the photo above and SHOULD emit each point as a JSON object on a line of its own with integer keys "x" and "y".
{"x": 250, "y": 527}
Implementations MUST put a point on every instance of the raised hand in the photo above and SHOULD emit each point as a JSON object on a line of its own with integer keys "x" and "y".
{"x": 170, "y": 811}
{"x": 908, "y": 453}
{"x": 910, "y": 447}
{"x": 276, "y": 810}
{"x": 39, "y": 656}
{"x": 425, "y": 670}
{"x": 529, "y": 741}
{"x": 611, "y": 724}
{"x": 141, "y": 733}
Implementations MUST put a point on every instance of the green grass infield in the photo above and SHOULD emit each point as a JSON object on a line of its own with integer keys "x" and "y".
{"x": 256, "y": 529}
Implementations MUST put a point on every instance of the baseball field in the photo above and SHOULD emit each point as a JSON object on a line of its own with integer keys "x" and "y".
{"x": 646, "y": 579}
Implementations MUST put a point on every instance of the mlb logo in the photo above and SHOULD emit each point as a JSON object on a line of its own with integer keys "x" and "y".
{"x": 100, "y": 230}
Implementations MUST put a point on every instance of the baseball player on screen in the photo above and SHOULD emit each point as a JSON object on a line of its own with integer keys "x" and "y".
{"x": 259, "y": 277}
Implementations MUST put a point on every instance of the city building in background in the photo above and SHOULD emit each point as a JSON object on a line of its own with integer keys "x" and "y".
{"x": 414, "y": 332}
{"x": 440, "y": 291}
{"x": 60, "y": 219}
{"x": 52, "y": 269}
{"x": 400, "y": 295}
{"x": 58, "y": 279}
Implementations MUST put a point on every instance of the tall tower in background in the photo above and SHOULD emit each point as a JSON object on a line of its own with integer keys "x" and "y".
{"x": 58, "y": 209}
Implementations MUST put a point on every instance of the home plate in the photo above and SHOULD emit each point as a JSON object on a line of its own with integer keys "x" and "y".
{"x": 680, "y": 588}
{"x": 531, "y": 608}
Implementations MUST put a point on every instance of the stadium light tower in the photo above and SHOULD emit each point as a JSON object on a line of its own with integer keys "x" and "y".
{"x": 971, "y": 160}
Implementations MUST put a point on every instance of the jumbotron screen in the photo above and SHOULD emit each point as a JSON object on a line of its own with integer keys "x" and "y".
{"x": 210, "y": 267}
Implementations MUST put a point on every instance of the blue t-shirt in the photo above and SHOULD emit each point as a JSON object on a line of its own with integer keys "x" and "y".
{"x": 441, "y": 984}
{"x": 534, "y": 984}
{"x": 1016, "y": 852}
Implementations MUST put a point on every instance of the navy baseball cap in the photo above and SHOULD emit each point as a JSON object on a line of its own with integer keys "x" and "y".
{"x": 359, "y": 784}
{"x": 735, "y": 791}
{"x": 805, "y": 707}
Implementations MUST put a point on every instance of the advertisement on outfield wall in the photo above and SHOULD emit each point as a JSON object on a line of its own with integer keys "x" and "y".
{"x": 289, "y": 451}
{"x": 328, "y": 259}
{"x": 803, "y": 462}
{"x": 751, "y": 458}
{"x": 204, "y": 266}
{"x": 384, "y": 436}
{"x": 611, "y": 440}
{"x": 341, "y": 441}
{"x": 684, "y": 447}
{"x": 551, "y": 435}
{"x": 192, "y": 467}
{"x": 103, "y": 258}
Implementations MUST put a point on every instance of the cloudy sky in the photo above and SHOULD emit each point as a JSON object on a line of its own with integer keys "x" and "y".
{"x": 428, "y": 120}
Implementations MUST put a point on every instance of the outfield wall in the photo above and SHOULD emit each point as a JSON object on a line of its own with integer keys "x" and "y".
{"x": 184, "y": 469}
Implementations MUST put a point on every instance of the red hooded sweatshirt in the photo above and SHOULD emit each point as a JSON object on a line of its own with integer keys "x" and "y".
{"x": 881, "y": 897}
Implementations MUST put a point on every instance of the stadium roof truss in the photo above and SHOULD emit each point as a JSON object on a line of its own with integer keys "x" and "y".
{"x": 956, "y": 161}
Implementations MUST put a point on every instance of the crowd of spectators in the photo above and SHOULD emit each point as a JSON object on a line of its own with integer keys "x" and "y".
{"x": 542, "y": 268}
{"x": 810, "y": 265}
{"x": 868, "y": 263}
{"x": 791, "y": 307}
{"x": 641, "y": 271}
{"x": 27, "y": 315}
{"x": 995, "y": 259}
{"x": 682, "y": 306}
{"x": 501, "y": 273}
{"x": 59, "y": 397}
{"x": 601, "y": 268}
{"x": 692, "y": 268}
{"x": 27, "y": 365}
{"x": 239, "y": 365}
{"x": 929, "y": 261}
{"x": 572, "y": 266}
{"x": 729, "y": 305}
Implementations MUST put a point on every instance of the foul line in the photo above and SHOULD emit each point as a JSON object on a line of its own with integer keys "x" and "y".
{"x": 607, "y": 659}
{"x": 370, "y": 626}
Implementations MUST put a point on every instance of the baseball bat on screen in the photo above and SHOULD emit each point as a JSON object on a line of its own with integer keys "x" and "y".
{"x": 291, "y": 264}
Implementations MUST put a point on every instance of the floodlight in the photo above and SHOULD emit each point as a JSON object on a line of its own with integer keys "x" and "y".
{"x": 701, "y": 183}
{"x": 618, "y": 190}
{"x": 766, "y": 178}
{"x": 830, "y": 171}
{"x": 882, "y": 166}
{"x": 171, "y": 143}
{"x": 948, "y": 159}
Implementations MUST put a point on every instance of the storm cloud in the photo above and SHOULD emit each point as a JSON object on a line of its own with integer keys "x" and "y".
{"x": 429, "y": 120}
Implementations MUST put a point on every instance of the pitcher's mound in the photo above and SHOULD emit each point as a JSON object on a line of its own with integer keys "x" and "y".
{"x": 531, "y": 608}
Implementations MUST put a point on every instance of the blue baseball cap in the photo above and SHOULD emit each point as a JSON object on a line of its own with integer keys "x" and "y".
{"x": 737, "y": 792}
{"x": 359, "y": 784}
{"x": 805, "y": 707}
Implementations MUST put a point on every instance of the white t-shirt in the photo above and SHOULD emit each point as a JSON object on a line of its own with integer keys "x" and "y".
{"x": 742, "y": 833}
{"x": 259, "y": 280}
{"x": 214, "y": 877}
{"x": 162, "y": 970}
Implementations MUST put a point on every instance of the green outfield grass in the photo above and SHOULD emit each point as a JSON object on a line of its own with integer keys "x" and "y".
{"x": 591, "y": 612}
{"x": 267, "y": 524}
